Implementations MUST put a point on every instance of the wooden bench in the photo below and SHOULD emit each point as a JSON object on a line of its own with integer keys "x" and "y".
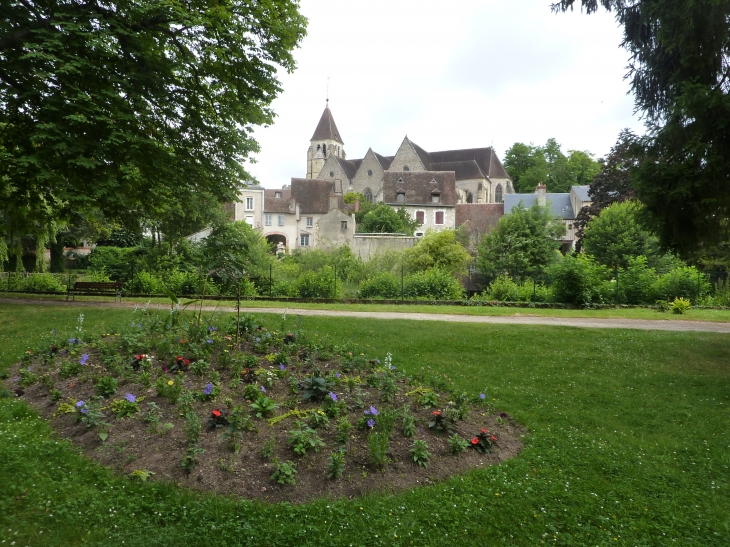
{"x": 110, "y": 288}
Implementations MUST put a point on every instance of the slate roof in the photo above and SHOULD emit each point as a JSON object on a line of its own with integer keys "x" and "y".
{"x": 559, "y": 204}
{"x": 326, "y": 128}
{"x": 479, "y": 217}
{"x": 385, "y": 161}
{"x": 348, "y": 166}
{"x": 581, "y": 192}
{"x": 486, "y": 158}
{"x": 418, "y": 186}
{"x": 423, "y": 155}
{"x": 468, "y": 169}
{"x": 272, "y": 204}
{"x": 313, "y": 195}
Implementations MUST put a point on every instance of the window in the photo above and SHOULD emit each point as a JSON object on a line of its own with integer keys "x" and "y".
{"x": 304, "y": 240}
{"x": 419, "y": 234}
{"x": 249, "y": 204}
{"x": 439, "y": 217}
{"x": 368, "y": 195}
{"x": 498, "y": 194}
{"x": 249, "y": 220}
{"x": 332, "y": 173}
{"x": 343, "y": 225}
{"x": 406, "y": 168}
{"x": 420, "y": 217}
{"x": 400, "y": 198}
{"x": 570, "y": 226}
{"x": 267, "y": 220}
{"x": 370, "y": 172}
{"x": 277, "y": 194}
{"x": 281, "y": 220}
{"x": 435, "y": 198}
{"x": 310, "y": 222}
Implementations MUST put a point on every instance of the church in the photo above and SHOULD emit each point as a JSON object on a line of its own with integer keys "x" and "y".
{"x": 479, "y": 175}
{"x": 439, "y": 189}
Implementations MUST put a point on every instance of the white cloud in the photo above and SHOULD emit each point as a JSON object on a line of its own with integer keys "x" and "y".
{"x": 474, "y": 74}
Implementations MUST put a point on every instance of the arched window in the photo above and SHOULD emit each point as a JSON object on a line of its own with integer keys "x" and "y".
{"x": 368, "y": 195}
{"x": 469, "y": 197}
{"x": 498, "y": 194}
{"x": 370, "y": 172}
{"x": 406, "y": 168}
{"x": 324, "y": 150}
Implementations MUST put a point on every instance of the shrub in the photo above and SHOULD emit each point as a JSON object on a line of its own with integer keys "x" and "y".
{"x": 145, "y": 283}
{"x": 284, "y": 472}
{"x": 680, "y": 305}
{"x": 383, "y": 285}
{"x": 319, "y": 284}
{"x": 434, "y": 284}
{"x": 117, "y": 262}
{"x": 681, "y": 282}
{"x": 578, "y": 279}
{"x": 636, "y": 281}
{"x": 43, "y": 282}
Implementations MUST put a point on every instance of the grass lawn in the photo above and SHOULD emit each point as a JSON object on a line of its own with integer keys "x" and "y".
{"x": 716, "y": 315}
{"x": 628, "y": 445}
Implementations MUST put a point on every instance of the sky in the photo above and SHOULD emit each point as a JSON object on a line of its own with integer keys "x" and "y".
{"x": 450, "y": 75}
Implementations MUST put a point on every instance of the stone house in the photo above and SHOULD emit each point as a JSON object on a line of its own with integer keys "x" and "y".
{"x": 564, "y": 206}
{"x": 428, "y": 196}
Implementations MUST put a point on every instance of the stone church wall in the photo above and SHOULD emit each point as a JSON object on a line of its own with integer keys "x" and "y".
{"x": 362, "y": 180}
{"x": 406, "y": 155}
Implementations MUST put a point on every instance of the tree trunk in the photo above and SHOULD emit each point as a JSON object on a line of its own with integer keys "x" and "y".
{"x": 58, "y": 260}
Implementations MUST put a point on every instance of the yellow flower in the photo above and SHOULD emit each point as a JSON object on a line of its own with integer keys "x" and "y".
{"x": 170, "y": 382}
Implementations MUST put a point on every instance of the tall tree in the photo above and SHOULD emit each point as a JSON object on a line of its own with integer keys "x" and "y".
{"x": 383, "y": 219}
{"x": 524, "y": 243}
{"x": 612, "y": 184}
{"x": 127, "y": 106}
{"x": 679, "y": 70}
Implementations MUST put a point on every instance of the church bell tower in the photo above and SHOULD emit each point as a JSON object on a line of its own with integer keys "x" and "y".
{"x": 325, "y": 141}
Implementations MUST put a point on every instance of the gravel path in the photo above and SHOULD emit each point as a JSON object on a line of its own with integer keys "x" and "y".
{"x": 516, "y": 319}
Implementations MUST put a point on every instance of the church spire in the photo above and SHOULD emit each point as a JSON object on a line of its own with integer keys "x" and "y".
{"x": 326, "y": 128}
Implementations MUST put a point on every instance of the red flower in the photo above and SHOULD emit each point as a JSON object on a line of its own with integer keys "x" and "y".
{"x": 484, "y": 431}
{"x": 494, "y": 438}
{"x": 436, "y": 412}
{"x": 217, "y": 413}
{"x": 138, "y": 357}
{"x": 187, "y": 361}
{"x": 475, "y": 441}
{"x": 178, "y": 358}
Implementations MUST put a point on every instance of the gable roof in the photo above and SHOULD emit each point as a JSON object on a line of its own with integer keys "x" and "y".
{"x": 466, "y": 169}
{"x": 422, "y": 154}
{"x": 384, "y": 161}
{"x": 312, "y": 195}
{"x": 326, "y": 128}
{"x": 419, "y": 187}
{"x": 272, "y": 204}
{"x": 486, "y": 158}
{"x": 581, "y": 192}
{"x": 558, "y": 204}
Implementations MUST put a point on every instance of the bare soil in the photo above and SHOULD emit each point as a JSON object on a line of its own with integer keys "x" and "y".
{"x": 133, "y": 444}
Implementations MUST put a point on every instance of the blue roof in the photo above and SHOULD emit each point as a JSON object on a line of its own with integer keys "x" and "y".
{"x": 558, "y": 204}
{"x": 581, "y": 192}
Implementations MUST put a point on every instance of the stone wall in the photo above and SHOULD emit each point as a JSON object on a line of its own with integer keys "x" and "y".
{"x": 362, "y": 180}
{"x": 368, "y": 245}
{"x": 406, "y": 156}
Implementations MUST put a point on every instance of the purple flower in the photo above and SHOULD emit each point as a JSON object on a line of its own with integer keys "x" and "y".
{"x": 263, "y": 389}
{"x": 377, "y": 360}
{"x": 139, "y": 325}
{"x": 211, "y": 329}
{"x": 80, "y": 404}
{"x": 84, "y": 410}
{"x": 208, "y": 388}
{"x": 131, "y": 398}
{"x": 371, "y": 423}
{"x": 333, "y": 396}
{"x": 392, "y": 367}
{"x": 71, "y": 341}
{"x": 84, "y": 358}
{"x": 209, "y": 341}
{"x": 373, "y": 411}
{"x": 281, "y": 366}
{"x": 337, "y": 374}
{"x": 16, "y": 379}
{"x": 482, "y": 396}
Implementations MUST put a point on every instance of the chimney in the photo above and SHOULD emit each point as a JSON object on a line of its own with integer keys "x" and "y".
{"x": 334, "y": 202}
{"x": 357, "y": 204}
{"x": 541, "y": 194}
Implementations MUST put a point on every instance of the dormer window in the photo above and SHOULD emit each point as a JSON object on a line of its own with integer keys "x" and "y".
{"x": 400, "y": 195}
{"x": 435, "y": 196}
{"x": 277, "y": 194}
{"x": 406, "y": 168}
